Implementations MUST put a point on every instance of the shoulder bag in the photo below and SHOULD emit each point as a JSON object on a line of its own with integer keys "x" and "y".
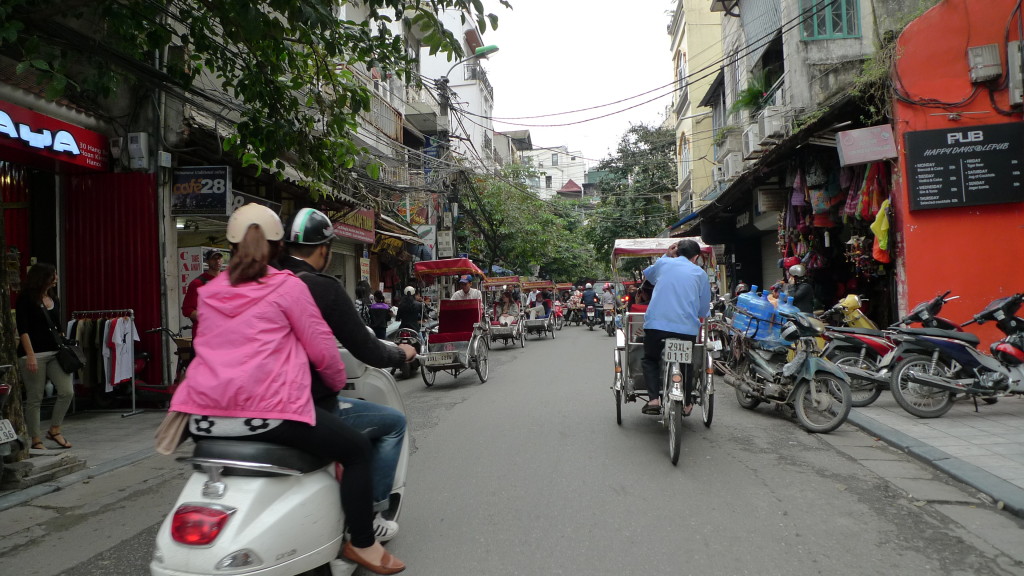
{"x": 69, "y": 353}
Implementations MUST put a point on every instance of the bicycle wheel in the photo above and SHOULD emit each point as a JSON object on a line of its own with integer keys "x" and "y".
{"x": 824, "y": 407}
{"x": 617, "y": 388}
{"x": 862, "y": 392}
{"x": 706, "y": 392}
{"x": 427, "y": 375}
{"x": 675, "y": 429}
{"x": 482, "y": 369}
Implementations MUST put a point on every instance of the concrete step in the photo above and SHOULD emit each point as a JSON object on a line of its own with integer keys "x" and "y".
{"x": 41, "y": 466}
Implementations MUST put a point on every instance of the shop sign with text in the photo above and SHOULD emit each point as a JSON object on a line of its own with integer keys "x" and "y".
{"x": 201, "y": 190}
{"x": 30, "y": 131}
{"x": 356, "y": 225}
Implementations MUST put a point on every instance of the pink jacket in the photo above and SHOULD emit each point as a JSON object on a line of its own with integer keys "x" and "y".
{"x": 253, "y": 355}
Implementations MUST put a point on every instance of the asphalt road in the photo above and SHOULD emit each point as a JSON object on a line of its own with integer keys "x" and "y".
{"x": 528, "y": 473}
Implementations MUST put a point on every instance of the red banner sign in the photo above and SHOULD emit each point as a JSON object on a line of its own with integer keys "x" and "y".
{"x": 357, "y": 225}
{"x": 29, "y": 131}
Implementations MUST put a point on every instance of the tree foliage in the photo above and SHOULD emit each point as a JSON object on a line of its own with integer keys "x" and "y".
{"x": 634, "y": 192}
{"x": 285, "y": 65}
{"x": 503, "y": 223}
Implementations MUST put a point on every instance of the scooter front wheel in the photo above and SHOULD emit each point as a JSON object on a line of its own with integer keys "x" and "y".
{"x": 920, "y": 400}
{"x": 822, "y": 403}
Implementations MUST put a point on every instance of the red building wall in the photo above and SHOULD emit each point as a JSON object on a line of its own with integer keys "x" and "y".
{"x": 976, "y": 251}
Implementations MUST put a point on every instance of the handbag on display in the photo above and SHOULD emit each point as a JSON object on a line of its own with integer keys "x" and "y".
{"x": 69, "y": 352}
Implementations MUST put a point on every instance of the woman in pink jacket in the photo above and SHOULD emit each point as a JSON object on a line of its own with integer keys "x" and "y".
{"x": 250, "y": 378}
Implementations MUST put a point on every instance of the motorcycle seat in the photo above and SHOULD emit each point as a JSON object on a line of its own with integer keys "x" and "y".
{"x": 260, "y": 452}
{"x": 939, "y": 333}
{"x": 848, "y": 330}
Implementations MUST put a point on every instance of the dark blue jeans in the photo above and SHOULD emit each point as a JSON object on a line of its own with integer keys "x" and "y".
{"x": 654, "y": 341}
{"x": 384, "y": 426}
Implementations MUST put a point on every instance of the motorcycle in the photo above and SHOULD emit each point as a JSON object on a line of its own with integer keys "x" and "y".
{"x": 938, "y": 365}
{"x": 609, "y": 319}
{"x": 817, "y": 390}
{"x": 10, "y": 442}
{"x": 591, "y": 316}
{"x": 257, "y": 508}
{"x": 854, "y": 341}
{"x": 559, "y": 315}
{"x": 412, "y": 338}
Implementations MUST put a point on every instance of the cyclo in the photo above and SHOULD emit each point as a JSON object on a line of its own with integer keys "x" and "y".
{"x": 543, "y": 324}
{"x": 461, "y": 341}
{"x": 492, "y": 289}
{"x": 628, "y": 384}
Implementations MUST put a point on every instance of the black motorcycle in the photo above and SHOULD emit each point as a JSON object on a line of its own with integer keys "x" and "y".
{"x": 412, "y": 338}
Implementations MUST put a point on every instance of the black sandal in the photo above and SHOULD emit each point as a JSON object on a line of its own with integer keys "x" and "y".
{"x": 651, "y": 409}
{"x": 62, "y": 442}
{"x": 38, "y": 446}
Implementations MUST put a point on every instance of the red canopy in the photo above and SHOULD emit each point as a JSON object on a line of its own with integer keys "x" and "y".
{"x": 427, "y": 270}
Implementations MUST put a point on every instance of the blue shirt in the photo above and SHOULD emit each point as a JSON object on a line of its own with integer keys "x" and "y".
{"x": 682, "y": 296}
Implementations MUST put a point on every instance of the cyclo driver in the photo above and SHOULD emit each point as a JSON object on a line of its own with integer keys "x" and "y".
{"x": 682, "y": 298}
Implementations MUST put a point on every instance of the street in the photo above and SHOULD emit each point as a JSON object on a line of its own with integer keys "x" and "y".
{"x": 528, "y": 473}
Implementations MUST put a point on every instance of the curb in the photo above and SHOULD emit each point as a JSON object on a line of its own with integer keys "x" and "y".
{"x": 28, "y": 494}
{"x": 1005, "y": 495}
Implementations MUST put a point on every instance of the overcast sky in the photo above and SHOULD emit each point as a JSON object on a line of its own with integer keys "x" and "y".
{"x": 562, "y": 55}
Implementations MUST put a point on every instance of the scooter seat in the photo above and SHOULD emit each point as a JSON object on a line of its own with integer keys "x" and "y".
{"x": 939, "y": 333}
{"x": 848, "y": 330}
{"x": 259, "y": 452}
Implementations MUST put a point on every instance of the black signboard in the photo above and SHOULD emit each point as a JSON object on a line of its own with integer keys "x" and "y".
{"x": 966, "y": 166}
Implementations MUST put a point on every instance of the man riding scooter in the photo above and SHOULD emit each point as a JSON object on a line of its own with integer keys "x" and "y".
{"x": 590, "y": 299}
{"x": 308, "y": 240}
{"x": 608, "y": 301}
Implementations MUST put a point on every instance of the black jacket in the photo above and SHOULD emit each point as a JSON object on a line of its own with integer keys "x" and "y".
{"x": 340, "y": 313}
{"x": 409, "y": 313}
{"x": 803, "y": 296}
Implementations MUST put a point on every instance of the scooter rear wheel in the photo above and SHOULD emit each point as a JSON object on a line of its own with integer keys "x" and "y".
{"x": 918, "y": 399}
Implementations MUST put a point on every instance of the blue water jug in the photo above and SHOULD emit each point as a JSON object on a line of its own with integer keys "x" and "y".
{"x": 741, "y": 321}
{"x": 785, "y": 307}
{"x": 761, "y": 312}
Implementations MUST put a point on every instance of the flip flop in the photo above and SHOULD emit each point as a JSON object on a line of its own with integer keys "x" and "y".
{"x": 38, "y": 446}
{"x": 650, "y": 409}
{"x": 687, "y": 409}
{"x": 62, "y": 442}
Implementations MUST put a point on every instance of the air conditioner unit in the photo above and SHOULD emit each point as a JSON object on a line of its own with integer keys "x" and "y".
{"x": 771, "y": 124}
{"x": 732, "y": 165}
{"x": 751, "y": 142}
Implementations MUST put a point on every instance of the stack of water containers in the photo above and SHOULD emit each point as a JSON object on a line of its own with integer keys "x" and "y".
{"x": 758, "y": 319}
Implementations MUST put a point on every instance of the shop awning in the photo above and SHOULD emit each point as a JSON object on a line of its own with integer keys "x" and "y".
{"x": 405, "y": 237}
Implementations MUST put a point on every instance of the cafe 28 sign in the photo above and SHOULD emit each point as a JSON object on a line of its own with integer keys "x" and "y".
{"x": 30, "y": 131}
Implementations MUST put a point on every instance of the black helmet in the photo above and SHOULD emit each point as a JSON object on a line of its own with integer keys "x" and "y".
{"x": 311, "y": 227}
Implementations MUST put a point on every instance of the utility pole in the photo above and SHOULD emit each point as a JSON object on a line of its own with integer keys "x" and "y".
{"x": 444, "y": 135}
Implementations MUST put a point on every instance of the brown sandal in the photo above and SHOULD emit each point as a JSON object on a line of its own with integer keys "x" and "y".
{"x": 59, "y": 439}
{"x": 38, "y": 446}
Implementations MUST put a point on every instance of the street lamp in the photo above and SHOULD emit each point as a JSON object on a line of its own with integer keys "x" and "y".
{"x": 443, "y": 133}
{"x": 443, "y": 122}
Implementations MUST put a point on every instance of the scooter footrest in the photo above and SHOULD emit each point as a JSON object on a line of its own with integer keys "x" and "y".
{"x": 261, "y": 452}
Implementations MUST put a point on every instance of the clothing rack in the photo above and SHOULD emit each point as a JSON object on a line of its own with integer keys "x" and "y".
{"x": 115, "y": 313}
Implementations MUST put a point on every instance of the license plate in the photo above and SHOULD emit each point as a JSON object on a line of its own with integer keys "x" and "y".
{"x": 7, "y": 431}
{"x": 677, "y": 351}
{"x": 438, "y": 358}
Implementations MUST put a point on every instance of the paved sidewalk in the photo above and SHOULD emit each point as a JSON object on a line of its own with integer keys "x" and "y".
{"x": 984, "y": 449}
{"x": 106, "y": 442}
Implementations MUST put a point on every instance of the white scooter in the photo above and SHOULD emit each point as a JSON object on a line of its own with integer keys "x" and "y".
{"x": 256, "y": 508}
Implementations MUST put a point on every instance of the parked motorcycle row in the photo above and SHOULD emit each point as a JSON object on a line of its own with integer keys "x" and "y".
{"x": 822, "y": 371}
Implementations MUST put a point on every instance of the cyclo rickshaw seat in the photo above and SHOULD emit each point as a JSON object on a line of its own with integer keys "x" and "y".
{"x": 455, "y": 320}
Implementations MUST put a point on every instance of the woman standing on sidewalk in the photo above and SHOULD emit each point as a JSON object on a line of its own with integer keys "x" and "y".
{"x": 38, "y": 310}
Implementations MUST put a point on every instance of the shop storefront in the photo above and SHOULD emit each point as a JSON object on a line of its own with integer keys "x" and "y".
{"x": 62, "y": 204}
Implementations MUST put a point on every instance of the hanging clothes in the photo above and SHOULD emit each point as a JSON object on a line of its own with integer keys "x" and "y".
{"x": 123, "y": 336}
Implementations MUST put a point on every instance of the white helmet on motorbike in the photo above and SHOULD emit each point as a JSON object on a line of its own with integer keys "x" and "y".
{"x": 589, "y": 285}
{"x": 409, "y": 290}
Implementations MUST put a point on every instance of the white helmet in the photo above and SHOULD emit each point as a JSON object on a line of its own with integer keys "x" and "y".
{"x": 798, "y": 270}
{"x": 410, "y": 290}
{"x": 250, "y": 214}
{"x": 589, "y": 285}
